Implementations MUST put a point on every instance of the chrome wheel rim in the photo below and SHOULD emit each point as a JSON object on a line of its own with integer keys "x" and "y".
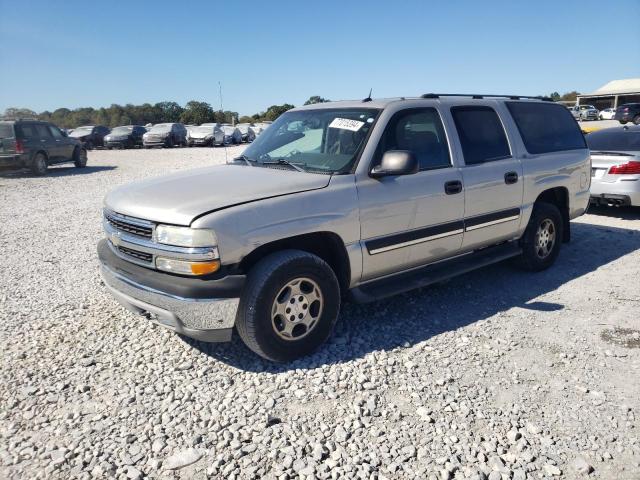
{"x": 545, "y": 238}
{"x": 297, "y": 309}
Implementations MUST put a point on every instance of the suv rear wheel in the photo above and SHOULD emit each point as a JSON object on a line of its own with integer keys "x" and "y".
{"x": 39, "y": 165}
{"x": 542, "y": 238}
{"x": 289, "y": 305}
{"x": 80, "y": 157}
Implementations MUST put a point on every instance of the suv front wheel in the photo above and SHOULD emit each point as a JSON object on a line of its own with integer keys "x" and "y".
{"x": 542, "y": 238}
{"x": 289, "y": 305}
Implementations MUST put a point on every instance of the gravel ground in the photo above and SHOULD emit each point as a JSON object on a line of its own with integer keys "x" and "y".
{"x": 498, "y": 374}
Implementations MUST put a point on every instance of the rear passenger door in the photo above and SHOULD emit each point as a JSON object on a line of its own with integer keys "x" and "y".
{"x": 492, "y": 177}
{"x": 46, "y": 141}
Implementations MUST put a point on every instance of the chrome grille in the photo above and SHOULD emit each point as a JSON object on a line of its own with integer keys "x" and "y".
{"x": 145, "y": 257}
{"x": 124, "y": 225}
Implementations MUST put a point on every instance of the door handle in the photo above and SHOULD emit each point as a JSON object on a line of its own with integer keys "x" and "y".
{"x": 510, "y": 178}
{"x": 453, "y": 187}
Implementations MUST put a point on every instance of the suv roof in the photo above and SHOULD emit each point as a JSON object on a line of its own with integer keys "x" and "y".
{"x": 440, "y": 97}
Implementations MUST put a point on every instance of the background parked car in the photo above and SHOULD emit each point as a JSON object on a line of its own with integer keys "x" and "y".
{"x": 615, "y": 166}
{"x": 231, "y": 134}
{"x": 36, "y": 145}
{"x": 91, "y": 136}
{"x": 584, "y": 112}
{"x": 607, "y": 114}
{"x": 259, "y": 127}
{"x": 127, "y": 136}
{"x": 207, "y": 134}
{"x": 248, "y": 134}
{"x": 165, "y": 135}
{"x": 629, "y": 112}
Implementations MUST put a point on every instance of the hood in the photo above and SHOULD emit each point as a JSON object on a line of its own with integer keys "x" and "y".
{"x": 156, "y": 134}
{"x": 181, "y": 197}
{"x": 200, "y": 134}
{"x": 80, "y": 133}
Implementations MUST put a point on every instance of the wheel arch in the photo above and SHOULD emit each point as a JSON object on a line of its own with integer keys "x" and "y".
{"x": 326, "y": 245}
{"x": 558, "y": 196}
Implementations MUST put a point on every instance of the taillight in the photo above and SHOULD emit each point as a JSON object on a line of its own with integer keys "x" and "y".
{"x": 629, "y": 168}
{"x": 19, "y": 146}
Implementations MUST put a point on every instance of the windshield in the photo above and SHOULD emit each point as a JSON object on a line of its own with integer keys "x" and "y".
{"x": 161, "y": 128}
{"x": 122, "y": 130}
{"x": 202, "y": 129}
{"x": 324, "y": 140}
{"x": 617, "y": 140}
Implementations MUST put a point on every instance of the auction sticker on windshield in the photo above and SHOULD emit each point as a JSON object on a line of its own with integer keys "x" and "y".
{"x": 346, "y": 124}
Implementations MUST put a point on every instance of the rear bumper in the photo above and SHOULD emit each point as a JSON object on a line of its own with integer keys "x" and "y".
{"x": 12, "y": 161}
{"x": 201, "y": 309}
{"x": 625, "y": 190}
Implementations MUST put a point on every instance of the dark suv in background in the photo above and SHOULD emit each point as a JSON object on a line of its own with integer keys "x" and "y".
{"x": 36, "y": 145}
{"x": 127, "y": 136}
{"x": 629, "y": 112}
{"x": 91, "y": 136}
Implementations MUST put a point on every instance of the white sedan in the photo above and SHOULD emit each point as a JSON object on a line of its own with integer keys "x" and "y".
{"x": 607, "y": 114}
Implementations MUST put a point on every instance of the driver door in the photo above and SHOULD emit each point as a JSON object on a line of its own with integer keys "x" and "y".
{"x": 412, "y": 220}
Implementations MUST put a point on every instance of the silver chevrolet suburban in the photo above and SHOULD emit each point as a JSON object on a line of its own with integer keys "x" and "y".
{"x": 357, "y": 199}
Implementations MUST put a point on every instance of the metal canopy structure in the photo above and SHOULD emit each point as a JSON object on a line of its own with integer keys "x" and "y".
{"x": 612, "y": 94}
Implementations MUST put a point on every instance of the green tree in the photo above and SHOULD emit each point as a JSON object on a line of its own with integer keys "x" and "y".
{"x": 13, "y": 112}
{"x": 196, "y": 113}
{"x": 274, "y": 111}
{"x": 170, "y": 111}
{"x": 555, "y": 96}
{"x": 245, "y": 119}
{"x": 316, "y": 99}
{"x": 570, "y": 96}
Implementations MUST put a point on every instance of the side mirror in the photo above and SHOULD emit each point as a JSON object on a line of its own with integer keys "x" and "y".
{"x": 64, "y": 134}
{"x": 396, "y": 162}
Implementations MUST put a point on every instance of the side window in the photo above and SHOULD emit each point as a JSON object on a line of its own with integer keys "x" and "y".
{"x": 42, "y": 131}
{"x": 55, "y": 132}
{"x": 27, "y": 130}
{"x": 481, "y": 134}
{"x": 420, "y": 131}
{"x": 545, "y": 127}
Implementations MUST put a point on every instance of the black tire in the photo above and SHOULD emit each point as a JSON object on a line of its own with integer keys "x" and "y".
{"x": 623, "y": 122}
{"x": 268, "y": 279}
{"x": 80, "y": 157}
{"x": 636, "y": 120}
{"x": 537, "y": 256}
{"x": 39, "y": 166}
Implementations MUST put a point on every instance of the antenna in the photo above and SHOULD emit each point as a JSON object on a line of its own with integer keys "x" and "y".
{"x": 368, "y": 99}
{"x": 226, "y": 157}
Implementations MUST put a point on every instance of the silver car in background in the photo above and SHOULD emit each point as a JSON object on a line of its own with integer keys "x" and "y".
{"x": 206, "y": 135}
{"x": 231, "y": 134}
{"x": 607, "y": 114}
{"x": 258, "y": 128}
{"x": 615, "y": 166}
{"x": 247, "y": 134}
{"x": 585, "y": 112}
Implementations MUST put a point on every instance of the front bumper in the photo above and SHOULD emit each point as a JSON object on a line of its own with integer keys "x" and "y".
{"x": 198, "y": 308}
{"x": 118, "y": 143}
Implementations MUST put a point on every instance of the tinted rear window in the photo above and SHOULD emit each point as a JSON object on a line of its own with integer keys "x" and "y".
{"x": 546, "y": 127}
{"x": 6, "y": 130}
{"x": 617, "y": 140}
{"x": 481, "y": 134}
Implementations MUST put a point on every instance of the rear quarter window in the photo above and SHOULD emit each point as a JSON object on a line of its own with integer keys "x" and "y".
{"x": 6, "y": 130}
{"x": 546, "y": 127}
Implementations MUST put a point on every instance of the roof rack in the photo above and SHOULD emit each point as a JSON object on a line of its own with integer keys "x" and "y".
{"x": 478, "y": 96}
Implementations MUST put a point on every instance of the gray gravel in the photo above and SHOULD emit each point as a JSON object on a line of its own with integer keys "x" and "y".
{"x": 497, "y": 375}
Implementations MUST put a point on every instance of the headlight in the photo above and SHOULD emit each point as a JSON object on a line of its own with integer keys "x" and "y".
{"x": 185, "y": 237}
{"x": 184, "y": 267}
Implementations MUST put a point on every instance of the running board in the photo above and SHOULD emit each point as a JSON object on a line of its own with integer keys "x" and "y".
{"x": 433, "y": 273}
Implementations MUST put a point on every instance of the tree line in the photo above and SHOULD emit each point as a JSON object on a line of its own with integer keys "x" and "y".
{"x": 194, "y": 112}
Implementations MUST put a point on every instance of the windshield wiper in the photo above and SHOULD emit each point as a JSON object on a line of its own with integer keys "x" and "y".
{"x": 283, "y": 161}
{"x": 246, "y": 160}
